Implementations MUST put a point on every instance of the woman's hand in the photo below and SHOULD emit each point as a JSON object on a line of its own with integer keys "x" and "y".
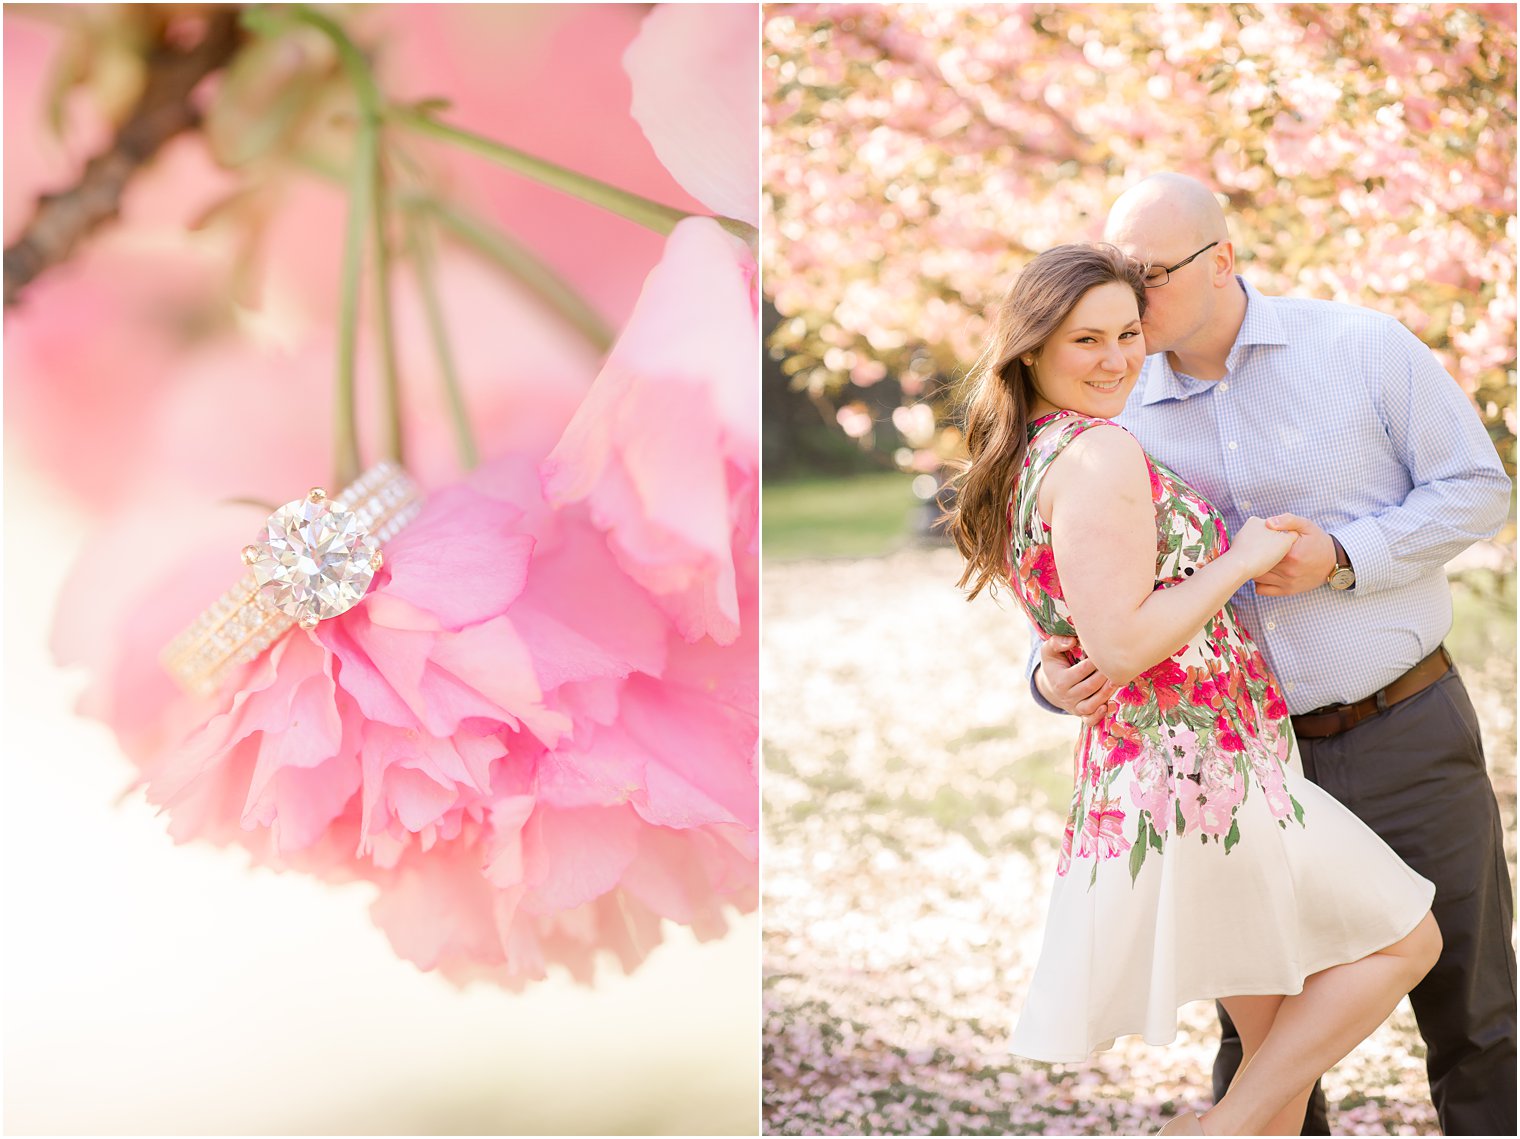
{"x": 1307, "y": 565}
{"x": 1259, "y": 546}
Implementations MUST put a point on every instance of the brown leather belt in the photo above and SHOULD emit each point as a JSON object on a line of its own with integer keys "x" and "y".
{"x": 1342, "y": 717}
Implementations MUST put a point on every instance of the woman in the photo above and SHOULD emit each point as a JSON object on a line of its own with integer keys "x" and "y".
{"x": 1198, "y": 862}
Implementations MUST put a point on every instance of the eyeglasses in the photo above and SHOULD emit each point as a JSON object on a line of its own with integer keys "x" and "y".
{"x": 1156, "y": 275}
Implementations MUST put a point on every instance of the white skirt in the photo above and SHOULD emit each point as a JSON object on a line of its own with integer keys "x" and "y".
{"x": 1197, "y": 923}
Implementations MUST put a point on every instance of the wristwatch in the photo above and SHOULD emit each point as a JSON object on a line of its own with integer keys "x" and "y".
{"x": 1342, "y": 576}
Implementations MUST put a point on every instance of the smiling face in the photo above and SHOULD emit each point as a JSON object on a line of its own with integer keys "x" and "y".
{"x": 1093, "y": 359}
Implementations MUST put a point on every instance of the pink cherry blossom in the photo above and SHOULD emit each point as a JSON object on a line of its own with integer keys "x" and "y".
{"x": 696, "y": 83}
{"x": 665, "y": 446}
{"x": 508, "y": 732}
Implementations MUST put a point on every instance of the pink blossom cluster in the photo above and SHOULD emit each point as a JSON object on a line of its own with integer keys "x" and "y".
{"x": 915, "y": 156}
{"x": 536, "y": 735}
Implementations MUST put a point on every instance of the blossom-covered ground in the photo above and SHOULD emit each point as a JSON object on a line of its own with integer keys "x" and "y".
{"x": 913, "y": 813}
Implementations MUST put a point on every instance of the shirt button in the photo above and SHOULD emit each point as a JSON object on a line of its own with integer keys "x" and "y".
{"x": 1232, "y": 444}
{"x": 1271, "y": 625}
{"x": 1290, "y": 686}
{"x": 1245, "y": 506}
{"x": 1225, "y": 386}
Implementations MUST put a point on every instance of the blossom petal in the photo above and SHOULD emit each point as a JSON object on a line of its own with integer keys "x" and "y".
{"x": 493, "y": 660}
{"x": 695, "y": 70}
{"x": 581, "y": 618}
{"x": 504, "y": 846}
{"x": 576, "y": 856}
{"x": 461, "y": 560}
{"x": 669, "y": 429}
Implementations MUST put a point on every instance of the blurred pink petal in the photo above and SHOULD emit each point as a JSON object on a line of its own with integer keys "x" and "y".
{"x": 135, "y": 304}
{"x": 36, "y": 160}
{"x": 696, "y": 82}
{"x": 575, "y": 856}
{"x": 665, "y": 438}
{"x": 439, "y": 912}
{"x": 680, "y": 874}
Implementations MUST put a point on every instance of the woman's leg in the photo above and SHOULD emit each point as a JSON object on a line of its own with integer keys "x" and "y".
{"x": 1253, "y": 1018}
{"x": 1337, "y": 1010}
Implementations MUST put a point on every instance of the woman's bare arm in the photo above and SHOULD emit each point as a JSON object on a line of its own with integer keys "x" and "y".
{"x": 1097, "y": 499}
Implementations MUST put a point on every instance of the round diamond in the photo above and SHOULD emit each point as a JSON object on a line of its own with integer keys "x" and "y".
{"x": 314, "y": 559}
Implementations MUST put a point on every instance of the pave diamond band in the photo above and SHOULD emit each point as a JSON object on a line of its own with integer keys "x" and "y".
{"x": 313, "y": 559}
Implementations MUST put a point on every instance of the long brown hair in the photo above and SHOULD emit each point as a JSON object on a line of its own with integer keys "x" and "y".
{"x": 1002, "y": 389}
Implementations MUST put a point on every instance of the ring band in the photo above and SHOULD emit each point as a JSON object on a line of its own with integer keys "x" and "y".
{"x": 267, "y": 600}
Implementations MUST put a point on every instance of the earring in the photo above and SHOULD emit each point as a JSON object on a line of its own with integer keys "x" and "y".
{"x": 1028, "y": 359}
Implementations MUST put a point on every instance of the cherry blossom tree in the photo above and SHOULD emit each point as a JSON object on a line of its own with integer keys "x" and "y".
{"x": 916, "y": 156}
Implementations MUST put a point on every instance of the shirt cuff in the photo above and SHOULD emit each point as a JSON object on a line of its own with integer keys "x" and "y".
{"x": 1039, "y": 697}
{"x": 1365, "y": 545}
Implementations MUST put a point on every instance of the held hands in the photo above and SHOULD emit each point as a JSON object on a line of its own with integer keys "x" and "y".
{"x": 1079, "y": 689}
{"x": 1262, "y": 544}
{"x": 1305, "y": 565}
{"x": 1284, "y": 554}
{"x": 1259, "y": 545}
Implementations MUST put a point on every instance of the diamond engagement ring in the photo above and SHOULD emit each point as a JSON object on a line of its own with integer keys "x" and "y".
{"x": 314, "y": 558}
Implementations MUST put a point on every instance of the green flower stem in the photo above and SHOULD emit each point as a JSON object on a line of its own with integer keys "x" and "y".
{"x": 266, "y": 507}
{"x": 364, "y": 210}
{"x": 371, "y": 104}
{"x": 368, "y": 207}
{"x": 394, "y": 447}
{"x": 345, "y": 419}
{"x": 518, "y": 261}
{"x": 742, "y": 230}
{"x": 422, "y": 258}
{"x": 652, "y": 215}
{"x": 498, "y": 250}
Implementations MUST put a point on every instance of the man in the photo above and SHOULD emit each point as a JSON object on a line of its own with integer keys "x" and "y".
{"x": 1337, "y": 414}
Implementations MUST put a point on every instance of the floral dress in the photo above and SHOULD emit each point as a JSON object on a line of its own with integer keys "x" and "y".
{"x": 1197, "y": 861}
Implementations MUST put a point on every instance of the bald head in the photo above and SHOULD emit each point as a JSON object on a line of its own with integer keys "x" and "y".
{"x": 1194, "y": 309}
{"x": 1165, "y": 211}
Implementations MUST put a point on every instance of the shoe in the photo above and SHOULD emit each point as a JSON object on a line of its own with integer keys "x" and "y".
{"x": 1187, "y": 1123}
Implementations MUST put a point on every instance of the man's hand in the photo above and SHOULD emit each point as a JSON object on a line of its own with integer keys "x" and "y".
{"x": 1306, "y": 565}
{"x": 1079, "y": 689}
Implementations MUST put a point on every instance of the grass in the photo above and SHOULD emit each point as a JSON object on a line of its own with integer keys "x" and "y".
{"x": 859, "y": 517}
{"x": 1483, "y": 626}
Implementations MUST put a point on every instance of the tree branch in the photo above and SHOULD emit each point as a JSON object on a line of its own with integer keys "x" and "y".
{"x": 163, "y": 110}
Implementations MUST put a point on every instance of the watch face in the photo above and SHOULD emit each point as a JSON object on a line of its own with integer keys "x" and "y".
{"x": 1342, "y": 577}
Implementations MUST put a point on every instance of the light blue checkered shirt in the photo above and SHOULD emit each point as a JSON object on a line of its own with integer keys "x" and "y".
{"x": 1340, "y": 415}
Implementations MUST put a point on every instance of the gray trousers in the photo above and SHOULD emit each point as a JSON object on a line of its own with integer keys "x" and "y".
{"x": 1415, "y": 774}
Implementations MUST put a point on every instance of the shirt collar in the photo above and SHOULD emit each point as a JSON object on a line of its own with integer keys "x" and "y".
{"x": 1260, "y": 326}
